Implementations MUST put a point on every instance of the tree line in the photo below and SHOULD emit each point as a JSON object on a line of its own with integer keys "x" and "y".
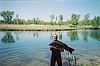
{"x": 8, "y": 18}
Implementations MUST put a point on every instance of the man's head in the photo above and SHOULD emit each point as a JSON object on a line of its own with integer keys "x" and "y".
{"x": 55, "y": 36}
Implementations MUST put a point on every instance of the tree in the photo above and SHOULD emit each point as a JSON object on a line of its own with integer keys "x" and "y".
{"x": 17, "y": 16}
{"x": 34, "y": 20}
{"x": 16, "y": 20}
{"x": 37, "y": 20}
{"x": 85, "y": 21}
{"x": 52, "y": 18}
{"x": 86, "y": 17}
{"x": 60, "y": 19}
{"x": 75, "y": 19}
{"x": 56, "y": 20}
{"x": 7, "y": 15}
{"x": 96, "y": 22}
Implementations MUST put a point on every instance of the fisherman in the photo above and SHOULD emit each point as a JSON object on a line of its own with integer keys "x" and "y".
{"x": 57, "y": 47}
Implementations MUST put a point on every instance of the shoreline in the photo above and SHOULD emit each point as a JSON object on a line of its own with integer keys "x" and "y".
{"x": 33, "y": 27}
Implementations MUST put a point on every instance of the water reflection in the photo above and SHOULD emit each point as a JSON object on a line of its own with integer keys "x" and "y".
{"x": 35, "y": 34}
{"x": 60, "y": 35}
{"x": 95, "y": 35}
{"x": 85, "y": 35}
{"x": 51, "y": 35}
{"x": 8, "y": 38}
{"x": 17, "y": 35}
{"x": 73, "y": 35}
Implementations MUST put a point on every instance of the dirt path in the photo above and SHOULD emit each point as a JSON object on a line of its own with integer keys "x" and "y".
{"x": 34, "y": 27}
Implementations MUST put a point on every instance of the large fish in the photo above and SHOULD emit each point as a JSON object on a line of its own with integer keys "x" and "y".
{"x": 59, "y": 45}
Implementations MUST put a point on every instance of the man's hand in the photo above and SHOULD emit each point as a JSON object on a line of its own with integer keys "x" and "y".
{"x": 62, "y": 49}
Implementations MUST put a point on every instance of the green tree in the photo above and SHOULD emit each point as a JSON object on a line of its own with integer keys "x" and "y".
{"x": 52, "y": 16}
{"x": 7, "y": 15}
{"x": 16, "y": 20}
{"x": 56, "y": 20}
{"x": 34, "y": 20}
{"x": 60, "y": 19}
{"x": 19, "y": 21}
{"x": 86, "y": 17}
{"x": 75, "y": 19}
{"x": 86, "y": 20}
{"x": 96, "y": 22}
{"x": 37, "y": 20}
{"x": 17, "y": 16}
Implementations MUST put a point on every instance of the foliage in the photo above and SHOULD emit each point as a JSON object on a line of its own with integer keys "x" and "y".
{"x": 96, "y": 22}
{"x": 58, "y": 20}
{"x": 18, "y": 21}
{"x": 7, "y": 15}
{"x": 52, "y": 18}
{"x": 74, "y": 19}
{"x": 86, "y": 20}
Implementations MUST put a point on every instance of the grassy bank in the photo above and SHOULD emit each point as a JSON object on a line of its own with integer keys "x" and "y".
{"x": 22, "y": 29}
{"x": 32, "y": 27}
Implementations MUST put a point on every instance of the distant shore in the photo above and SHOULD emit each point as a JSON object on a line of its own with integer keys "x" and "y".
{"x": 33, "y": 27}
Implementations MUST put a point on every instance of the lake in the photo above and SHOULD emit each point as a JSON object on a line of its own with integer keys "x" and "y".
{"x": 31, "y": 48}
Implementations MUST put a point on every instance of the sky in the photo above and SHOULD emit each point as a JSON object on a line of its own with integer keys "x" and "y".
{"x": 29, "y": 9}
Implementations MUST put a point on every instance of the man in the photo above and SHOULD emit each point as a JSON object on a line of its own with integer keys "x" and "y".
{"x": 57, "y": 47}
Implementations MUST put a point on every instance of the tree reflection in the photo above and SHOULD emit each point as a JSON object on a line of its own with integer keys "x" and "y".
{"x": 60, "y": 35}
{"x": 92, "y": 34}
{"x": 85, "y": 35}
{"x": 35, "y": 34}
{"x": 51, "y": 35}
{"x": 73, "y": 35}
{"x": 8, "y": 38}
{"x": 95, "y": 35}
{"x": 17, "y": 35}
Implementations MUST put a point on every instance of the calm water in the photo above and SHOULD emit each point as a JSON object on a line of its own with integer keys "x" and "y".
{"x": 31, "y": 48}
